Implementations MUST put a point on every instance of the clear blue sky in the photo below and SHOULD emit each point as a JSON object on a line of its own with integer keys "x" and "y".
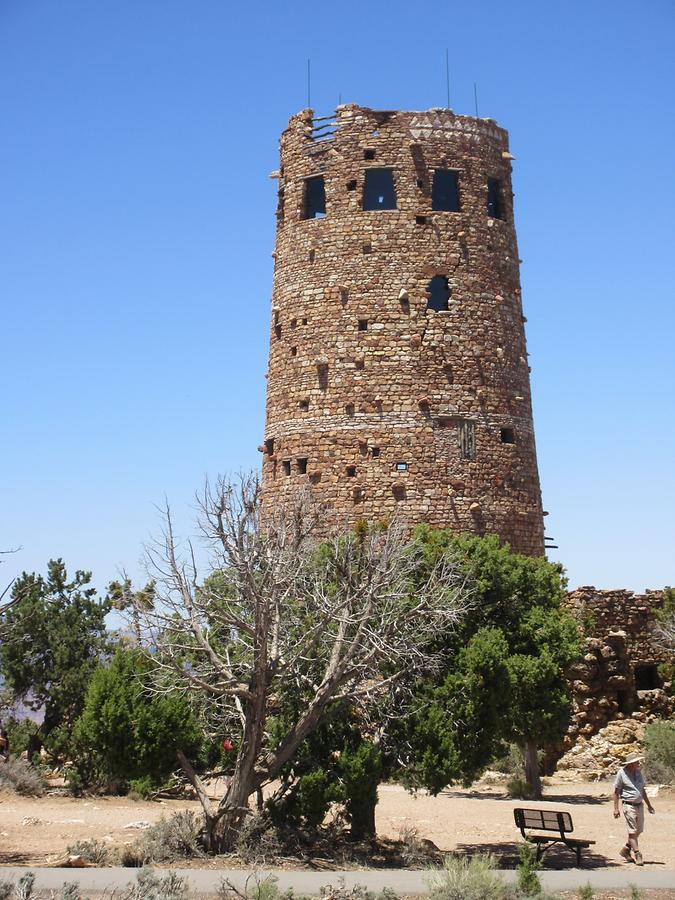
{"x": 137, "y": 222}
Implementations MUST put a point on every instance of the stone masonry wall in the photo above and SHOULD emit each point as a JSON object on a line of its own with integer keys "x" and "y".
{"x": 611, "y": 703}
{"x": 377, "y": 404}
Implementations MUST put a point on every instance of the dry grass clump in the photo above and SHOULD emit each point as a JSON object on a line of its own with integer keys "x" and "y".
{"x": 19, "y": 776}
{"x": 178, "y": 837}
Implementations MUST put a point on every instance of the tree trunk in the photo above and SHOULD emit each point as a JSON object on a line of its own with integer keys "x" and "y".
{"x": 531, "y": 759}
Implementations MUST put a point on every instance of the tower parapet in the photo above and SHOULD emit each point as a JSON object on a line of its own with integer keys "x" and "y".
{"x": 398, "y": 380}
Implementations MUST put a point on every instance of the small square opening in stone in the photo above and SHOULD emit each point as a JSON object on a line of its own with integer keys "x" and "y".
{"x": 351, "y": 185}
{"x": 360, "y": 363}
{"x": 367, "y": 248}
{"x": 357, "y": 495}
{"x": 302, "y": 465}
{"x": 647, "y": 677}
{"x": 374, "y": 452}
{"x": 277, "y": 331}
{"x": 349, "y": 409}
{"x": 351, "y": 471}
{"x": 439, "y": 293}
{"x": 507, "y": 435}
{"x": 303, "y": 405}
{"x": 420, "y": 220}
{"x": 269, "y": 446}
{"x": 401, "y": 466}
{"x": 363, "y": 324}
{"x": 294, "y": 323}
{"x": 286, "y": 465}
{"x": 294, "y": 351}
{"x": 304, "y": 321}
{"x": 312, "y": 255}
{"x": 369, "y": 154}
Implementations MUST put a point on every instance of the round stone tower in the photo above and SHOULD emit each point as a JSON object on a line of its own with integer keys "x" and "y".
{"x": 398, "y": 379}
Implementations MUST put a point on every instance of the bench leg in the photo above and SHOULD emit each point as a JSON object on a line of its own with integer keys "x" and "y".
{"x": 578, "y": 849}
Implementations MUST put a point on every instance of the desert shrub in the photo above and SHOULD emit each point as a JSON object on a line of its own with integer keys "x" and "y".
{"x": 519, "y": 789}
{"x": 125, "y": 734}
{"x": 361, "y": 772}
{"x": 259, "y": 841}
{"x": 256, "y": 888}
{"x": 150, "y": 886}
{"x": 177, "y": 837}
{"x": 467, "y": 878}
{"x": 358, "y": 892}
{"x": 585, "y": 892}
{"x": 528, "y": 880}
{"x": 660, "y": 751}
{"x": 142, "y": 787}
{"x": 510, "y": 762}
{"x": 93, "y": 851}
{"x": 636, "y": 893}
{"x": 21, "y": 777}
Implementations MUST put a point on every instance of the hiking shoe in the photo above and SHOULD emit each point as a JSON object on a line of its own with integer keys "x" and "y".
{"x": 638, "y": 858}
{"x": 625, "y": 852}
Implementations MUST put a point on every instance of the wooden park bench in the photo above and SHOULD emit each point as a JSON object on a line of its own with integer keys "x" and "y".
{"x": 549, "y": 820}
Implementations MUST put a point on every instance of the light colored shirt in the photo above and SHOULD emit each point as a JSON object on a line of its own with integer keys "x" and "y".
{"x": 628, "y": 787}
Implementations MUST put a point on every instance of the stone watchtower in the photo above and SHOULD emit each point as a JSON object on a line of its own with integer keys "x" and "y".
{"x": 398, "y": 378}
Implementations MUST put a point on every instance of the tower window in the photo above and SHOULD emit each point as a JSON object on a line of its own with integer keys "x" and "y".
{"x": 369, "y": 154}
{"x": 445, "y": 191}
{"x": 303, "y": 405}
{"x": 507, "y": 436}
{"x": 351, "y": 185}
{"x": 374, "y": 452}
{"x": 277, "y": 331}
{"x": 294, "y": 351}
{"x": 357, "y": 495}
{"x": 269, "y": 446}
{"x": 363, "y": 324}
{"x": 351, "y": 471}
{"x": 420, "y": 220}
{"x": 467, "y": 439}
{"x": 439, "y": 293}
{"x": 494, "y": 198}
{"x": 302, "y": 465}
{"x": 378, "y": 189}
{"x": 647, "y": 677}
{"x": 286, "y": 463}
{"x": 315, "y": 198}
{"x": 401, "y": 466}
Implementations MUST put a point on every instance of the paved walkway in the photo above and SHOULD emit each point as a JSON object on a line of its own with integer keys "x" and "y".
{"x": 206, "y": 881}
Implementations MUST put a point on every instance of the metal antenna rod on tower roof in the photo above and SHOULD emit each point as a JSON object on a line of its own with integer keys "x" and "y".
{"x": 309, "y": 84}
{"x": 447, "y": 76}
{"x": 475, "y": 97}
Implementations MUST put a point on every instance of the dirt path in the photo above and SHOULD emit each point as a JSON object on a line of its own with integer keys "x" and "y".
{"x": 478, "y": 819}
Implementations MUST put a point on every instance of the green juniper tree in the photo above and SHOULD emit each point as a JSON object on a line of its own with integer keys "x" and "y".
{"x": 507, "y": 681}
{"x": 54, "y": 636}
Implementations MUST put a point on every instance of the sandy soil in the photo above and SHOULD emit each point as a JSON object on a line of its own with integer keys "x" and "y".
{"x": 479, "y": 819}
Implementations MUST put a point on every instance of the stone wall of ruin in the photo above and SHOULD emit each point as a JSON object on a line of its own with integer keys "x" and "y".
{"x": 621, "y": 650}
{"x": 371, "y": 394}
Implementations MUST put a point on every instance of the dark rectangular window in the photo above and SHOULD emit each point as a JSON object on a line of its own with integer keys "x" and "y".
{"x": 378, "y": 189}
{"x": 401, "y": 467}
{"x": 374, "y": 452}
{"x": 494, "y": 198}
{"x": 302, "y": 465}
{"x": 315, "y": 198}
{"x": 363, "y": 324}
{"x": 507, "y": 435}
{"x": 286, "y": 463}
{"x": 467, "y": 439}
{"x": 445, "y": 191}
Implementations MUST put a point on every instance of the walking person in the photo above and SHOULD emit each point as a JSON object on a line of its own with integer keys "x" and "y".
{"x": 629, "y": 787}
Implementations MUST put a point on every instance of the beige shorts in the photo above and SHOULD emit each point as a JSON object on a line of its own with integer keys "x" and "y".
{"x": 634, "y": 814}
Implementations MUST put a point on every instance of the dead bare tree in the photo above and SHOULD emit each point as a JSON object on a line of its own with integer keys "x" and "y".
{"x": 276, "y": 613}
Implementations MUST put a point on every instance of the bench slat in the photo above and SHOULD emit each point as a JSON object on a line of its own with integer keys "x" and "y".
{"x": 546, "y": 819}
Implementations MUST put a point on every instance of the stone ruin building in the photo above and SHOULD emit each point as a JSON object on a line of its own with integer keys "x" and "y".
{"x": 398, "y": 378}
{"x": 617, "y": 685}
